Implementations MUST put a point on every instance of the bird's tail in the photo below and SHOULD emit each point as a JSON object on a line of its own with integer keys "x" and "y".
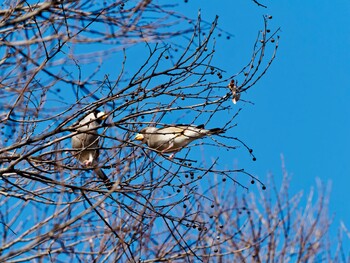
{"x": 216, "y": 131}
{"x": 211, "y": 131}
{"x": 99, "y": 172}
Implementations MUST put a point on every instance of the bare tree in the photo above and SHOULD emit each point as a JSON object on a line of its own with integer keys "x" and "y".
{"x": 273, "y": 226}
{"x": 54, "y": 59}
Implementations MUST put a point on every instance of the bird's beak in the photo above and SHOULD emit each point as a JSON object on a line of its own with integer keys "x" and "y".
{"x": 104, "y": 116}
{"x": 139, "y": 137}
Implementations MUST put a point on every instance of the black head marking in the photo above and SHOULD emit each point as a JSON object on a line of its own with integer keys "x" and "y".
{"x": 96, "y": 112}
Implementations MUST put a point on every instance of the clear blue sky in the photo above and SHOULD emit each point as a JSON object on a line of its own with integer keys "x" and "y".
{"x": 301, "y": 105}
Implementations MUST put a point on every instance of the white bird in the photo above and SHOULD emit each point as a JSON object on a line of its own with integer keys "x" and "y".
{"x": 172, "y": 139}
{"x": 87, "y": 143}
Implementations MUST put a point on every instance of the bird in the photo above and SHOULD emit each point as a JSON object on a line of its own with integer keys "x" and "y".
{"x": 86, "y": 143}
{"x": 171, "y": 139}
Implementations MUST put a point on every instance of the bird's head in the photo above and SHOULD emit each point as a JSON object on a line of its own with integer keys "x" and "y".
{"x": 143, "y": 134}
{"x": 100, "y": 116}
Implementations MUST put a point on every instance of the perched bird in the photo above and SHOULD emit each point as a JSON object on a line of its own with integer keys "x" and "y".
{"x": 172, "y": 139}
{"x": 87, "y": 143}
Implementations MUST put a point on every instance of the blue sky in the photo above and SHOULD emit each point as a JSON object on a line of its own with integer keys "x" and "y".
{"x": 300, "y": 109}
{"x": 301, "y": 105}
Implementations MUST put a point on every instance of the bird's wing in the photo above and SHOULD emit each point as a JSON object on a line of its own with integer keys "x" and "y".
{"x": 177, "y": 132}
{"x": 180, "y": 136}
{"x": 193, "y": 132}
